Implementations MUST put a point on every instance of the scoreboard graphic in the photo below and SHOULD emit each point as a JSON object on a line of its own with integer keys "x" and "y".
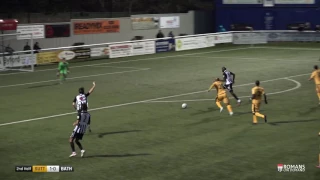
{"x": 44, "y": 168}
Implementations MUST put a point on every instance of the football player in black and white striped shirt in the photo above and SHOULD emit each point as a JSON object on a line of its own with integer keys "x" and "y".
{"x": 229, "y": 78}
{"x": 82, "y": 98}
{"x": 80, "y": 129}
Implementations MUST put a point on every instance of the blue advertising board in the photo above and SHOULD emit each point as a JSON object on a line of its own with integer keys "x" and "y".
{"x": 269, "y": 20}
{"x": 165, "y": 45}
{"x": 267, "y": 3}
{"x": 266, "y": 18}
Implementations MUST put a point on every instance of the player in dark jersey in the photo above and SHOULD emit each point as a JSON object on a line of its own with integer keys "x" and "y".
{"x": 82, "y": 98}
{"x": 80, "y": 128}
{"x": 229, "y": 78}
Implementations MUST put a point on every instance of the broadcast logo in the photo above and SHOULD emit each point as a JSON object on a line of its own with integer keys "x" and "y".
{"x": 291, "y": 168}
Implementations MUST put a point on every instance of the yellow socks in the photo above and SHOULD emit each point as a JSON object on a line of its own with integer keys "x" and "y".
{"x": 218, "y": 104}
{"x": 259, "y": 115}
{"x": 318, "y": 96}
{"x": 255, "y": 119}
{"x": 229, "y": 108}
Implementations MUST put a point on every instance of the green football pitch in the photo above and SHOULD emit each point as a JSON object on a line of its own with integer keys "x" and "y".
{"x": 140, "y": 131}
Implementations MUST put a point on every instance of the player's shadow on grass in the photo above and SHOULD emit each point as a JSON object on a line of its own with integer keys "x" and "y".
{"x": 100, "y": 135}
{"x": 294, "y": 121}
{"x": 211, "y": 109}
{"x": 212, "y": 119}
{"x": 117, "y": 155}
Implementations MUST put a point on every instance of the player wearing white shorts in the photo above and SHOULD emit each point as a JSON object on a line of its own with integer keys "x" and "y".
{"x": 79, "y": 130}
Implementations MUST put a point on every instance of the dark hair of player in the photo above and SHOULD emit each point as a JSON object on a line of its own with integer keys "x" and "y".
{"x": 217, "y": 79}
{"x": 315, "y": 66}
{"x": 84, "y": 107}
{"x": 257, "y": 82}
{"x": 223, "y": 69}
{"x": 81, "y": 90}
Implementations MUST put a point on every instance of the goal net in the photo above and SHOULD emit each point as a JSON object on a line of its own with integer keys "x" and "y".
{"x": 16, "y": 52}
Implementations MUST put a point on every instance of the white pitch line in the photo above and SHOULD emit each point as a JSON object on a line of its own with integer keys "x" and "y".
{"x": 288, "y": 48}
{"x": 249, "y": 58}
{"x": 120, "y": 67}
{"x": 298, "y": 85}
{"x": 78, "y": 77}
{"x": 131, "y": 103}
{"x": 135, "y": 60}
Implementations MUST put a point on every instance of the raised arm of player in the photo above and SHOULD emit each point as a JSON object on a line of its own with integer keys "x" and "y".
{"x": 93, "y": 87}
{"x": 233, "y": 76}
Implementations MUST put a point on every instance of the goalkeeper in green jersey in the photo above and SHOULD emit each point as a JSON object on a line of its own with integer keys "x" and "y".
{"x": 63, "y": 70}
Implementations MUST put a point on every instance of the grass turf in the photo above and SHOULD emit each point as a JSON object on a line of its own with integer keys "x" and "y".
{"x": 140, "y": 131}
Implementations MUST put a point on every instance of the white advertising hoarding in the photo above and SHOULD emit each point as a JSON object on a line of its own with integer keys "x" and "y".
{"x": 140, "y": 48}
{"x": 36, "y": 30}
{"x": 294, "y": 1}
{"x": 18, "y": 60}
{"x": 120, "y": 50}
{"x": 99, "y": 51}
{"x": 170, "y": 22}
{"x": 222, "y": 38}
{"x": 250, "y": 38}
{"x": 191, "y": 43}
{"x": 242, "y": 1}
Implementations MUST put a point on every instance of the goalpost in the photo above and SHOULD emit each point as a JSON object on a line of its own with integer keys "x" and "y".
{"x": 16, "y": 52}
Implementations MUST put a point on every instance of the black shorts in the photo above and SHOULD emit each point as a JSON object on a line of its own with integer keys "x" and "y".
{"x": 76, "y": 135}
{"x": 78, "y": 117}
{"x": 228, "y": 87}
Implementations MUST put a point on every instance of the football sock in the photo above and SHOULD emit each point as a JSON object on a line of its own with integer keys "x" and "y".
{"x": 259, "y": 115}
{"x": 72, "y": 146}
{"x": 229, "y": 108}
{"x": 218, "y": 104}
{"x": 255, "y": 119}
{"x": 235, "y": 96}
{"x": 318, "y": 96}
{"x": 79, "y": 144}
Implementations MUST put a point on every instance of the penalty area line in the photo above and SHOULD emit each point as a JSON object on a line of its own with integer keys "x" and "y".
{"x": 77, "y": 77}
{"x": 298, "y": 85}
{"x": 139, "y": 102}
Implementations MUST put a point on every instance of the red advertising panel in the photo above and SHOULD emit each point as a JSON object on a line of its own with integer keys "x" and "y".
{"x": 8, "y": 24}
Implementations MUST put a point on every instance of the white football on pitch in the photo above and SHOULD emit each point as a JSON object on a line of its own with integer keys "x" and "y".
{"x": 184, "y": 105}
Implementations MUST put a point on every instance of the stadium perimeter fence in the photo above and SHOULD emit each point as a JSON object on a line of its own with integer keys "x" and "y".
{"x": 20, "y": 59}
